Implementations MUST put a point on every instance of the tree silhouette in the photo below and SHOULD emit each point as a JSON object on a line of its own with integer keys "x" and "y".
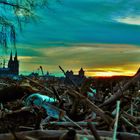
{"x": 13, "y": 14}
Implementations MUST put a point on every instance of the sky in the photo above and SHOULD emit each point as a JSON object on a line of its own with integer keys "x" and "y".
{"x": 101, "y": 36}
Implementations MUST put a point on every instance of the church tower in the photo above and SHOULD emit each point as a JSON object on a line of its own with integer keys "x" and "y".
{"x": 13, "y": 65}
{"x": 81, "y": 72}
{"x": 10, "y": 62}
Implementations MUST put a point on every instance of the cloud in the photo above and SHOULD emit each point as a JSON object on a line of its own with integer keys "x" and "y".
{"x": 117, "y": 58}
{"x": 132, "y": 20}
{"x": 85, "y": 21}
{"x": 98, "y": 35}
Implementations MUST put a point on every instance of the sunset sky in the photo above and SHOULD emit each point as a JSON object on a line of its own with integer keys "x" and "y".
{"x": 102, "y": 36}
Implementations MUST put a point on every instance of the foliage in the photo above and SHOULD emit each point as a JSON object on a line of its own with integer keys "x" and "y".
{"x": 14, "y": 13}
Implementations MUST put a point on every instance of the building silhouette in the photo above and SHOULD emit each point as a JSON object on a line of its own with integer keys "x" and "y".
{"x": 76, "y": 78}
{"x": 13, "y": 67}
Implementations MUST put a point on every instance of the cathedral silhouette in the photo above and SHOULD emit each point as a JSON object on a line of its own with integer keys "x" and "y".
{"x": 13, "y": 67}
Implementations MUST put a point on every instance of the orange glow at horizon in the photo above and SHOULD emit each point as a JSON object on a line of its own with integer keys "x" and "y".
{"x": 110, "y": 73}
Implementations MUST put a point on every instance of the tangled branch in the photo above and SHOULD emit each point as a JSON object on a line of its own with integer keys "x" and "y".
{"x": 20, "y": 12}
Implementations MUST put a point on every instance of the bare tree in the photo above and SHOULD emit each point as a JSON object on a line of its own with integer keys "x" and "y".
{"x": 13, "y": 13}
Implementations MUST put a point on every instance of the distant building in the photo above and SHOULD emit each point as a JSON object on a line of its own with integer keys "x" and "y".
{"x": 13, "y": 67}
{"x": 33, "y": 74}
{"x": 77, "y": 79}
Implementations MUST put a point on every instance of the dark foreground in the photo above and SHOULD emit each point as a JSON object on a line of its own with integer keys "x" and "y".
{"x": 38, "y": 108}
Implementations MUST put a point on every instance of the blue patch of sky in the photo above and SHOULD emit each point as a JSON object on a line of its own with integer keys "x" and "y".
{"x": 84, "y": 21}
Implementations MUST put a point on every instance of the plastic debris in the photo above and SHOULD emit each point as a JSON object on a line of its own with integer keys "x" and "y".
{"x": 39, "y": 99}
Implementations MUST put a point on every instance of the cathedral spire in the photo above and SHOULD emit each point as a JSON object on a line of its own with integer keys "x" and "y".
{"x": 15, "y": 58}
{"x": 3, "y": 63}
{"x": 11, "y": 57}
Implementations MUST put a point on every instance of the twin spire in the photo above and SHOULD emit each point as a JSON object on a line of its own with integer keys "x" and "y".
{"x": 11, "y": 56}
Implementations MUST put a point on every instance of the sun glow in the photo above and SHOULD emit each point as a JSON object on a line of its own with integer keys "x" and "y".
{"x": 106, "y": 74}
{"x": 110, "y": 73}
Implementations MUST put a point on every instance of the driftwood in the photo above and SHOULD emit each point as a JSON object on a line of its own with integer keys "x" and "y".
{"x": 130, "y": 124}
{"x": 75, "y": 107}
{"x": 23, "y": 117}
{"x": 94, "y": 131}
{"x": 119, "y": 93}
{"x": 116, "y": 121}
{"x": 38, "y": 84}
{"x": 73, "y": 82}
{"x": 93, "y": 107}
{"x": 131, "y": 118}
{"x": 70, "y": 124}
{"x": 56, "y": 134}
{"x": 13, "y": 93}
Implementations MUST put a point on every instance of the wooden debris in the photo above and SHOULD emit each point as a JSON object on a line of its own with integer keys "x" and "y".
{"x": 73, "y": 114}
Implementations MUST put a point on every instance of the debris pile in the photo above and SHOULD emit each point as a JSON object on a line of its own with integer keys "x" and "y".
{"x": 38, "y": 109}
